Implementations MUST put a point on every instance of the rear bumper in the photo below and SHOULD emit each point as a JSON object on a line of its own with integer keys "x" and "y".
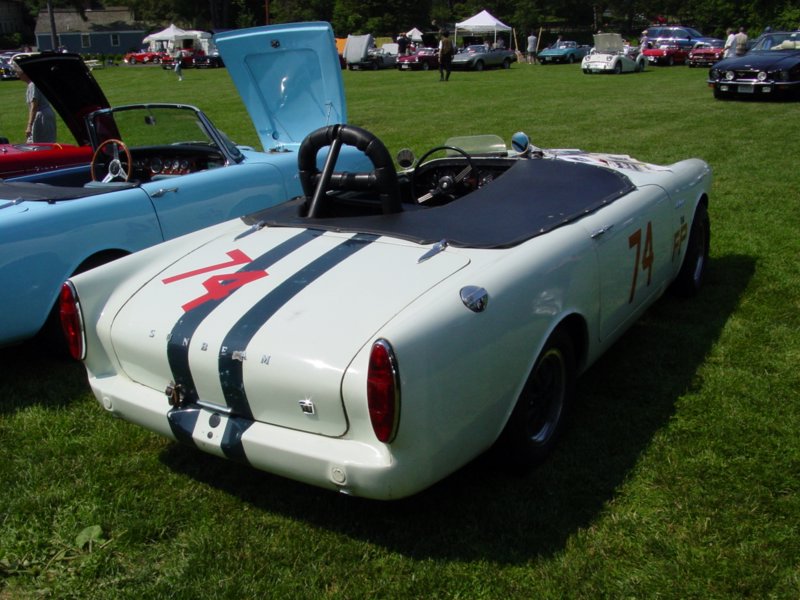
{"x": 348, "y": 466}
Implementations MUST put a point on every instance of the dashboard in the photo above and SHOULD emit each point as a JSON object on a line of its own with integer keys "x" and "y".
{"x": 169, "y": 160}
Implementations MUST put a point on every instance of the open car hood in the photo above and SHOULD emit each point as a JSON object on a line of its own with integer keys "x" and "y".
{"x": 68, "y": 85}
{"x": 608, "y": 43}
{"x": 288, "y": 77}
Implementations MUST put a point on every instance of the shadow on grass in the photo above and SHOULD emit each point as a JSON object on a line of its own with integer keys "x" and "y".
{"x": 484, "y": 513}
{"x": 25, "y": 369}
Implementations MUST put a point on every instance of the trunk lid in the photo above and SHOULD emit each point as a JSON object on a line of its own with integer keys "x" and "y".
{"x": 261, "y": 326}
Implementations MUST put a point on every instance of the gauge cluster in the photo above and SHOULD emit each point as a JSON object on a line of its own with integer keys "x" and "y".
{"x": 168, "y": 161}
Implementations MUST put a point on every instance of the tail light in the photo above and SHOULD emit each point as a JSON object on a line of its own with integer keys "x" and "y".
{"x": 72, "y": 321}
{"x": 383, "y": 391}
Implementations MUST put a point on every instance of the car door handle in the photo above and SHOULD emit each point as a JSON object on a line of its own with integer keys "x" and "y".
{"x": 603, "y": 230}
{"x": 162, "y": 191}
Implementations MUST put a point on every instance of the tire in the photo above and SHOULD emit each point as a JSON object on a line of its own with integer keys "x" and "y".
{"x": 571, "y": 59}
{"x": 618, "y": 68}
{"x": 426, "y": 66}
{"x": 374, "y": 66}
{"x": 507, "y": 63}
{"x": 479, "y": 65}
{"x": 132, "y": 60}
{"x": 690, "y": 277}
{"x": 587, "y": 72}
{"x": 539, "y": 415}
{"x": 670, "y": 61}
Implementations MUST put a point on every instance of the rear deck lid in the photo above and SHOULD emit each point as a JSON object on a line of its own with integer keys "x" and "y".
{"x": 288, "y": 76}
{"x": 259, "y": 326}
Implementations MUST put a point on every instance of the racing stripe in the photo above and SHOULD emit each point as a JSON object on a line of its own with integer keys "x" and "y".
{"x": 238, "y": 338}
{"x": 182, "y": 332}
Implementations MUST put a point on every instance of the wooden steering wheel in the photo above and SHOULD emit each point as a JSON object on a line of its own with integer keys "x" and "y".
{"x": 113, "y": 158}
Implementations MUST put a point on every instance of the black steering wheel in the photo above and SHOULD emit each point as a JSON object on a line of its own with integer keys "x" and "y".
{"x": 113, "y": 157}
{"x": 382, "y": 179}
{"x": 445, "y": 186}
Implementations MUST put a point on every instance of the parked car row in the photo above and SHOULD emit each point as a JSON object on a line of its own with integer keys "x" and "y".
{"x": 361, "y": 54}
{"x": 189, "y": 58}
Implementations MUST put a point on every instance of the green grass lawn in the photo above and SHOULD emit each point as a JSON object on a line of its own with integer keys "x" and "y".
{"x": 678, "y": 477}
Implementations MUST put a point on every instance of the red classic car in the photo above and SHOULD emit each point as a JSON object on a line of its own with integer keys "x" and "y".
{"x": 424, "y": 58}
{"x": 187, "y": 59}
{"x": 83, "y": 97}
{"x": 144, "y": 57}
{"x": 666, "y": 54}
{"x": 705, "y": 54}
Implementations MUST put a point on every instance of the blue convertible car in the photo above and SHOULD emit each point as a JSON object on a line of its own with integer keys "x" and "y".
{"x": 161, "y": 170}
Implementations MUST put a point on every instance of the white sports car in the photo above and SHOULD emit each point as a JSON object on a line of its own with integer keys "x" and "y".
{"x": 382, "y": 330}
{"x": 611, "y": 55}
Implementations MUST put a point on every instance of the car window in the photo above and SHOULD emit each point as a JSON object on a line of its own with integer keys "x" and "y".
{"x": 156, "y": 126}
{"x": 769, "y": 42}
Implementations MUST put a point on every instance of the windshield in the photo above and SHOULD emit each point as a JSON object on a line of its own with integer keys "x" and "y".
{"x": 777, "y": 41}
{"x": 153, "y": 126}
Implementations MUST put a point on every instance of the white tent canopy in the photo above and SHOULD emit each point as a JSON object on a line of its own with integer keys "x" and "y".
{"x": 173, "y": 37}
{"x": 482, "y": 23}
{"x": 170, "y": 34}
{"x": 415, "y": 35}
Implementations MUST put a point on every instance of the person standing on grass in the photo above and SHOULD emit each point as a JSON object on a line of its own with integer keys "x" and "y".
{"x": 446, "y": 50}
{"x": 728, "y": 49}
{"x": 179, "y": 65}
{"x": 740, "y": 42}
{"x": 644, "y": 41}
{"x": 532, "y": 39}
{"x": 41, "y": 127}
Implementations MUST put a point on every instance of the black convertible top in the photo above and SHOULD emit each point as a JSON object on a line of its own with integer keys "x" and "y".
{"x": 533, "y": 197}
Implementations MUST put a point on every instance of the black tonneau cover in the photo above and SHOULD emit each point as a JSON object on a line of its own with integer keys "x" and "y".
{"x": 533, "y": 197}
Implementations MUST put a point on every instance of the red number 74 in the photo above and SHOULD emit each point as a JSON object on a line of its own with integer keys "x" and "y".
{"x": 221, "y": 285}
{"x": 647, "y": 259}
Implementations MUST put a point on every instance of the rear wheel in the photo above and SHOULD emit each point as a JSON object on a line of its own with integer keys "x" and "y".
{"x": 539, "y": 415}
{"x": 479, "y": 65}
{"x": 426, "y": 66}
{"x": 690, "y": 277}
{"x": 507, "y": 63}
{"x": 571, "y": 59}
